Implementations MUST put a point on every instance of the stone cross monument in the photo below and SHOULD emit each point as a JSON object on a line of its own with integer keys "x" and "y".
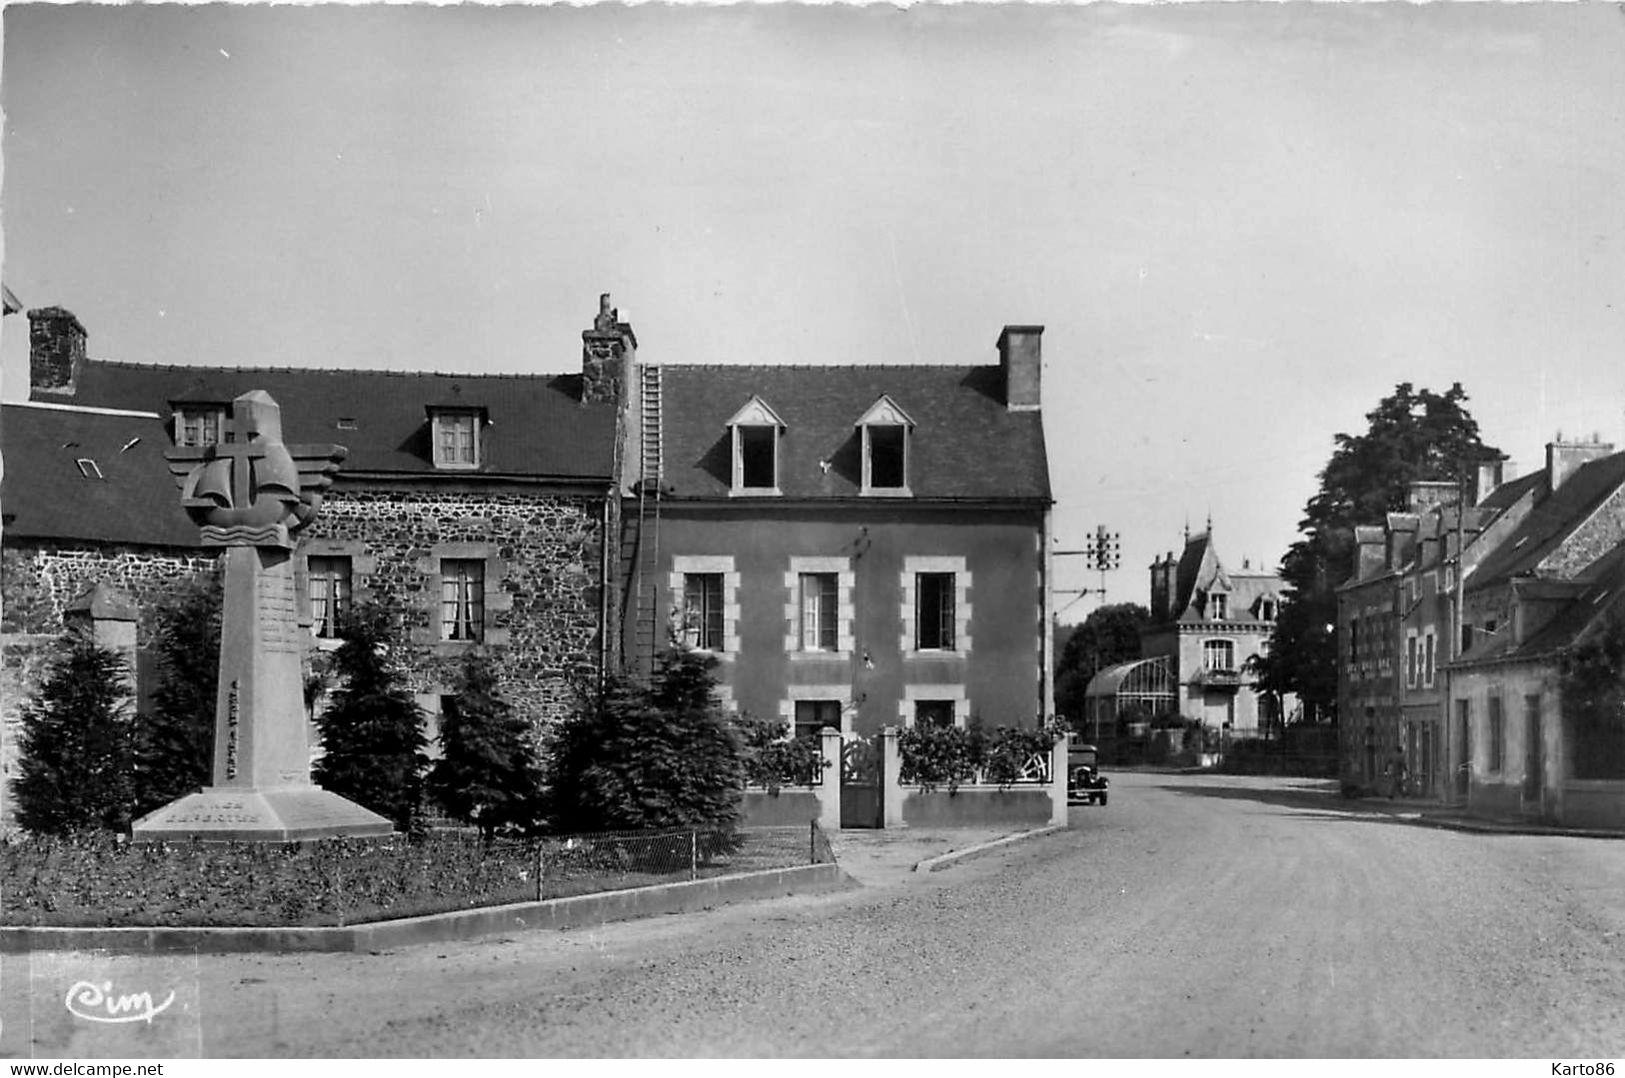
{"x": 252, "y": 495}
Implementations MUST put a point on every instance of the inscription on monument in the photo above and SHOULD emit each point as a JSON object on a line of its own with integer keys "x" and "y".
{"x": 279, "y": 616}
{"x": 233, "y": 712}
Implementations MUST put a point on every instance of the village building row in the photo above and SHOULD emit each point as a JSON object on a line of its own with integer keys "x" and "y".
{"x": 1454, "y": 630}
{"x": 860, "y": 546}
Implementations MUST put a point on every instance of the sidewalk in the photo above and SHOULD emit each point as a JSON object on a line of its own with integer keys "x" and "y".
{"x": 876, "y": 858}
{"x": 1452, "y": 818}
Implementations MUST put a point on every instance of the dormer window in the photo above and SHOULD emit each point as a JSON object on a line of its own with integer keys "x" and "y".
{"x": 199, "y": 424}
{"x": 456, "y": 437}
{"x": 1266, "y": 610}
{"x": 754, "y": 431}
{"x": 886, "y": 429}
{"x": 1218, "y": 605}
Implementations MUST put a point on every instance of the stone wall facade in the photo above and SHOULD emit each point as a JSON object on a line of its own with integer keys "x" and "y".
{"x": 542, "y": 556}
{"x": 40, "y": 579}
{"x": 542, "y": 553}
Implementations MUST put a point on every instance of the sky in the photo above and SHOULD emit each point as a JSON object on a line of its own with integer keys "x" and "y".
{"x": 1241, "y": 225}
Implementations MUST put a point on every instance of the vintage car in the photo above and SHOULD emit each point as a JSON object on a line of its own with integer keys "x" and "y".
{"x": 1084, "y": 782}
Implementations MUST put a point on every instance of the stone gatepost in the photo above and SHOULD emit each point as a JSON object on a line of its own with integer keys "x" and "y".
{"x": 109, "y": 615}
{"x": 891, "y": 779}
{"x": 252, "y": 495}
{"x": 829, "y": 788}
{"x": 1059, "y": 760}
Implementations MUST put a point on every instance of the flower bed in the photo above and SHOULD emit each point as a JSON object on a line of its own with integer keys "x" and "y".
{"x": 106, "y": 881}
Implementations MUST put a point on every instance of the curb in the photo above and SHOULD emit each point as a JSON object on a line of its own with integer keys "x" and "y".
{"x": 581, "y": 910}
{"x": 1491, "y": 828}
{"x": 942, "y": 861}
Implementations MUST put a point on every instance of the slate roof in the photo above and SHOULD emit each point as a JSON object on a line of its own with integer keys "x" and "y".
{"x": 1603, "y": 584}
{"x": 1551, "y": 521}
{"x": 1199, "y": 567}
{"x": 44, "y": 494}
{"x": 966, "y": 445}
{"x": 538, "y": 427}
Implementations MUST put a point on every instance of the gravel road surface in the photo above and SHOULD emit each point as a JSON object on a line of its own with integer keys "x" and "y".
{"x": 1195, "y": 916}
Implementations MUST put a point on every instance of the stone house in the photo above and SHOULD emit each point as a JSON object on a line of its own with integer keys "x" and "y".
{"x": 1208, "y": 621}
{"x": 1548, "y": 587}
{"x": 1453, "y": 630}
{"x": 1396, "y": 623}
{"x": 486, "y": 507}
{"x": 859, "y": 546}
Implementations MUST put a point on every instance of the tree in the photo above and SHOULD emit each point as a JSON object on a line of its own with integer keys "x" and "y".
{"x": 174, "y": 752}
{"x": 1591, "y": 681}
{"x": 487, "y": 775}
{"x": 655, "y": 756}
{"x": 1411, "y": 435}
{"x": 1108, "y": 636}
{"x": 372, "y": 733}
{"x": 75, "y": 771}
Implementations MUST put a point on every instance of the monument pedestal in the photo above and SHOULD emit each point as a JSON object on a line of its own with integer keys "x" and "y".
{"x": 245, "y": 814}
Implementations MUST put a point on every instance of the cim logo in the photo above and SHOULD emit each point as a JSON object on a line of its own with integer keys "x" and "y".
{"x": 97, "y": 1003}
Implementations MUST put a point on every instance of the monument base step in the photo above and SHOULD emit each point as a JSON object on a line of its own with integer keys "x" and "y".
{"x": 281, "y": 814}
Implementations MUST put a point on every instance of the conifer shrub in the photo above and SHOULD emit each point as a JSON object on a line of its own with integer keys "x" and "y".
{"x": 488, "y": 775}
{"x": 372, "y": 732}
{"x": 174, "y": 745}
{"x": 642, "y": 757}
{"x": 77, "y": 744}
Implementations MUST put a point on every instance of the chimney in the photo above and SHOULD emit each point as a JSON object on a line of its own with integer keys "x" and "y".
{"x": 56, "y": 351}
{"x": 1020, "y": 357}
{"x": 1563, "y": 459}
{"x": 608, "y": 352}
{"x": 1425, "y": 494}
{"x": 1491, "y": 474}
{"x": 1370, "y": 543}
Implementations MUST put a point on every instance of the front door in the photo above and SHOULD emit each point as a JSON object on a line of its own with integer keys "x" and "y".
{"x": 1533, "y": 764}
{"x": 1464, "y": 749}
{"x": 860, "y": 783}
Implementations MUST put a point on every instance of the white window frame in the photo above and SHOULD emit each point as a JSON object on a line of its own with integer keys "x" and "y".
{"x": 1218, "y": 606}
{"x": 722, "y": 564}
{"x": 840, "y": 692}
{"x": 470, "y": 591}
{"x": 1217, "y": 645}
{"x": 200, "y": 414}
{"x": 1413, "y": 658}
{"x": 756, "y": 415}
{"x": 885, "y": 412}
{"x": 1430, "y": 654}
{"x": 913, "y": 694}
{"x": 334, "y": 605}
{"x": 912, "y": 567}
{"x": 845, "y": 587}
{"x": 454, "y": 419}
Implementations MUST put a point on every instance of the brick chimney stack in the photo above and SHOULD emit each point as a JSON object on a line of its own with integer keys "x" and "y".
{"x": 1021, "y": 357}
{"x": 608, "y": 351}
{"x": 1563, "y": 458}
{"x": 56, "y": 351}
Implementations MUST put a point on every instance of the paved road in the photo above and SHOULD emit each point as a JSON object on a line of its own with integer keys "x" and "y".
{"x": 1196, "y": 916}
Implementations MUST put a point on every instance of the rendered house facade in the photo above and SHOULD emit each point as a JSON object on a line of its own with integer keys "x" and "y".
{"x": 860, "y": 547}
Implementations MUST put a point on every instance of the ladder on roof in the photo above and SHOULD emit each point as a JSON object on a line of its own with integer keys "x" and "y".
{"x": 640, "y": 548}
{"x": 649, "y": 402}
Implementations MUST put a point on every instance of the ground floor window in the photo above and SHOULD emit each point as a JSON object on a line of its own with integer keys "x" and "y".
{"x": 813, "y": 715}
{"x": 702, "y": 610}
{"x": 934, "y": 713}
